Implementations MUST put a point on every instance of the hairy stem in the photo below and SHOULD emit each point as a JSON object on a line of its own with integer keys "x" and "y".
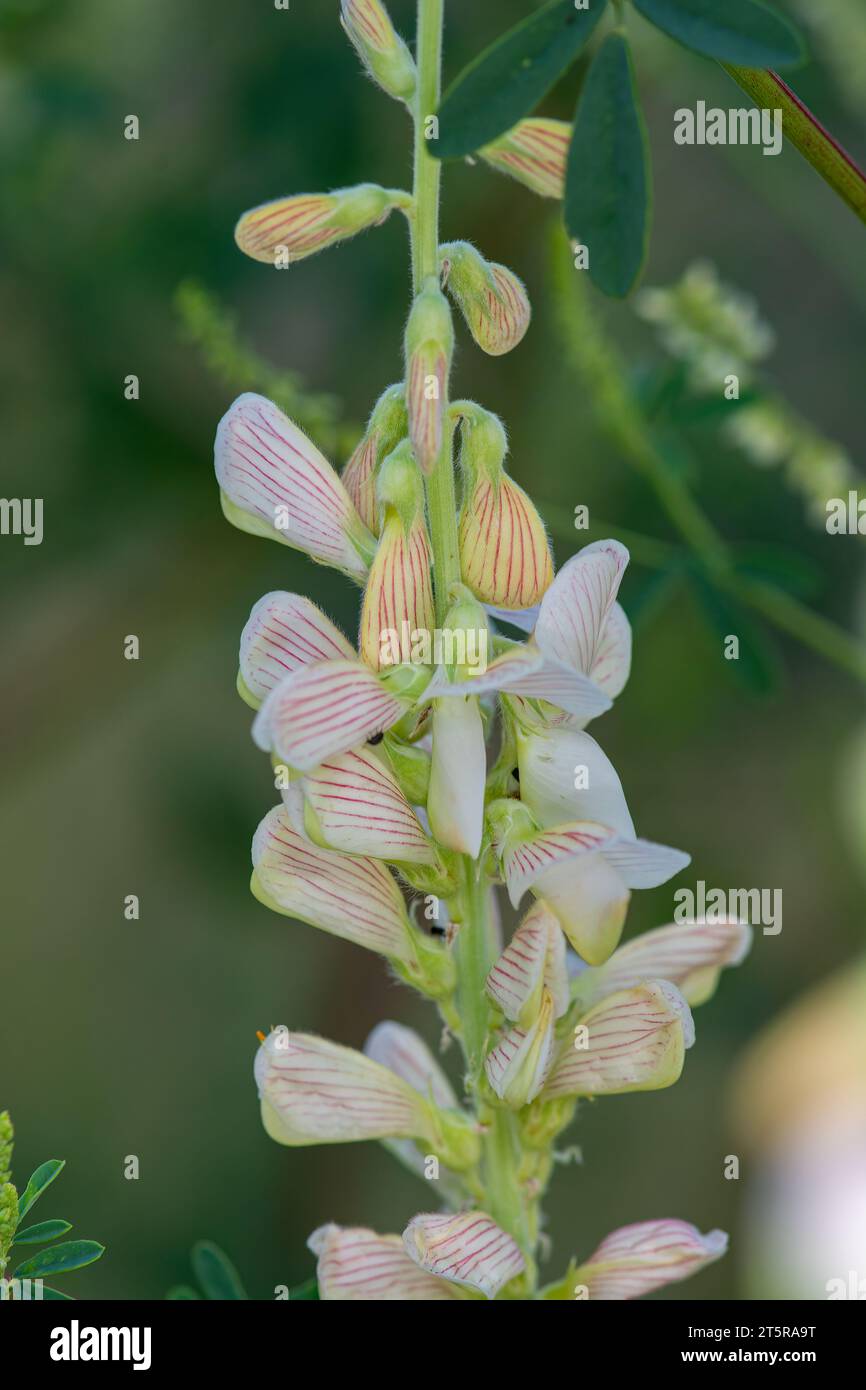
{"x": 502, "y": 1195}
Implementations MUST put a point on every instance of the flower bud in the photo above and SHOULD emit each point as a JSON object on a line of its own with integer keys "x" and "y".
{"x": 398, "y": 599}
{"x": 387, "y": 426}
{"x": 289, "y": 229}
{"x": 467, "y": 1248}
{"x": 379, "y": 46}
{"x": 518, "y": 1065}
{"x": 534, "y": 152}
{"x": 492, "y": 300}
{"x": 504, "y": 551}
{"x": 429, "y": 346}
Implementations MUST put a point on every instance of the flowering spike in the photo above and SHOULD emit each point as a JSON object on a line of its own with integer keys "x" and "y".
{"x": 398, "y": 598}
{"x": 275, "y": 483}
{"x": 492, "y": 300}
{"x": 354, "y": 898}
{"x": 520, "y": 1061}
{"x": 324, "y": 709}
{"x": 648, "y": 1255}
{"x": 358, "y": 808}
{"x": 691, "y": 956}
{"x": 388, "y": 424}
{"x": 429, "y": 346}
{"x": 468, "y": 1248}
{"x": 533, "y": 961}
{"x": 504, "y": 551}
{"x": 355, "y": 1264}
{"x": 379, "y": 46}
{"x": 535, "y": 152}
{"x": 634, "y": 1040}
{"x": 286, "y": 230}
{"x": 284, "y": 633}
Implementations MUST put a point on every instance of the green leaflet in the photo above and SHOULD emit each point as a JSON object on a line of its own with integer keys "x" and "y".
{"x": 215, "y": 1272}
{"x": 72, "y": 1254}
{"x": 747, "y": 33}
{"x": 41, "y": 1178}
{"x": 608, "y": 189}
{"x": 509, "y": 78}
{"x": 44, "y": 1230}
{"x": 182, "y": 1293}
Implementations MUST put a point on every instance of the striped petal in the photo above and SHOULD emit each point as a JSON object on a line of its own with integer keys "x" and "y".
{"x": 405, "y": 1053}
{"x": 388, "y": 424}
{"x": 276, "y": 483}
{"x": 534, "y": 152}
{"x": 289, "y": 229}
{"x": 612, "y": 663}
{"x": 426, "y": 390}
{"x": 690, "y": 956}
{"x": 323, "y": 710}
{"x": 525, "y": 619}
{"x": 356, "y": 899}
{"x": 648, "y": 1255}
{"x": 520, "y": 1061}
{"x": 575, "y": 609}
{"x": 525, "y": 860}
{"x": 313, "y": 1091}
{"x": 643, "y": 864}
{"x": 522, "y": 670}
{"x": 634, "y": 1040}
{"x": 358, "y": 808}
{"x": 492, "y": 299}
{"x": 565, "y": 776}
{"x": 399, "y": 593}
{"x": 355, "y": 1264}
{"x": 468, "y": 1248}
{"x": 504, "y": 549}
{"x": 534, "y": 960}
{"x": 284, "y": 633}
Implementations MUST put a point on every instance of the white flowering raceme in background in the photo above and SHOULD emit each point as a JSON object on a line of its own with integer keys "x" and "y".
{"x": 437, "y": 761}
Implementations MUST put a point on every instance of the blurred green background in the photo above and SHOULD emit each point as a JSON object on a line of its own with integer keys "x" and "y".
{"x": 120, "y": 777}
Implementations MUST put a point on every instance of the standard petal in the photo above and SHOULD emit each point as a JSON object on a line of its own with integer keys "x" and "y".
{"x": 648, "y": 1255}
{"x": 355, "y": 1264}
{"x": 522, "y": 670}
{"x": 643, "y": 864}
{"x": 359, "y": 809}
{"x": 612, "y": 664}
{"x": 468, "y": 1249}
{"x": 283, "y": 633}
{"x": 574, "y": 611}
{"x": 405, "y": 1053}
{"x": 276, "y": 483}
{"x": 322, "y": 710}
{"x": 525, "y": 859}
{"x": 533, "y": 960}
{"x": 634, "y": 1040}
{"x": 356, "y": 899}
{"x": 535, "y": 152}
{"x": 565, "y": 776}
{"x": 313, "y": 1091}
{"x": 690, "y": 956}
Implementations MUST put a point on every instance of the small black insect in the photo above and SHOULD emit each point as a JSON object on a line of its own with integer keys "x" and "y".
{"x": 377, "y": 738}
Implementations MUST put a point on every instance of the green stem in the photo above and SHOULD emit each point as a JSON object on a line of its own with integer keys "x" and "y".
{"x": 806, "y": 132}
{"x": 441, "y": 495}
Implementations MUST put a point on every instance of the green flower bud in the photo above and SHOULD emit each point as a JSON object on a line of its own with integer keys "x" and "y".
{"x": 492, "y": 300}
{"x": 379, "y": 46}
{"x": 7, "y": 1136}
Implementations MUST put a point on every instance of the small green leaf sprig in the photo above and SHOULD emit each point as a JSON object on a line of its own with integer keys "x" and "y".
{"x": 69, "y": 1255}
